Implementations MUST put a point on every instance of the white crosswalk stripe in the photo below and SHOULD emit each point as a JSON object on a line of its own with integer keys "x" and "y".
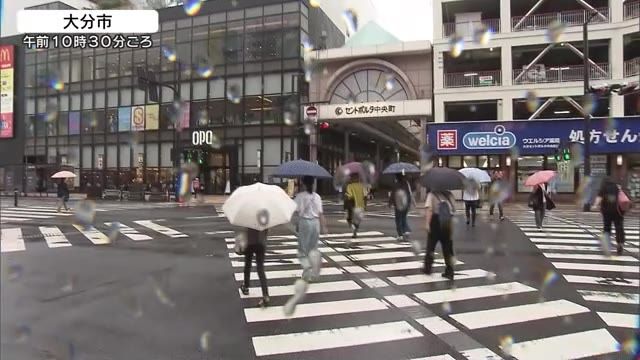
{"x": 341, "y": 293}
{"x": 65, "y": 236}
{"x": 30, "y": 213}
{"x": 608, "y": 283}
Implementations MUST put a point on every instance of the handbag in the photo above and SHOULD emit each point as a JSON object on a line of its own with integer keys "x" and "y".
{"x": 239, "y": 248}
{"x": 550, "y": 204}
{"x": 624, "y": 203}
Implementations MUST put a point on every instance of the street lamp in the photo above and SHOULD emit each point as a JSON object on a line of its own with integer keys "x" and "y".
{"x": 587, "y": 91}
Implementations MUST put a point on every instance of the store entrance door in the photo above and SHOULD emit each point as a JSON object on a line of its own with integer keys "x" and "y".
{"x": 216, "y": 172}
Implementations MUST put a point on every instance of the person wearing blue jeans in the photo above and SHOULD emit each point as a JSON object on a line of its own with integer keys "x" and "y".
{"x": 401, "y": 199}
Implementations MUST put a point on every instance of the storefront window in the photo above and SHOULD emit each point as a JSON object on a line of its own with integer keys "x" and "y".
{"x": 565, "y": 180}
{"x": 216, "y": 111}
{"x": 252, "y": 110}
{"x": 483, "y": 162}
{"x": 455, "y": 162}
{"x": 291, "y": 48}
{"x": 527, "y": 165}
{"x": 469, "y": 161}
{"x": 494, "y": 161}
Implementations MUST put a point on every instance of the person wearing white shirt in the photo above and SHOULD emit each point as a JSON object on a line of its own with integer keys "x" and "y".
{"x": 311, "y": 220}
{"x": 471, "y": 198}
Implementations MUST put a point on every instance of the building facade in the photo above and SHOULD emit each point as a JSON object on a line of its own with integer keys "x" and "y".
{"x": 104, "y": 128}
{"x": 532, "y": 69}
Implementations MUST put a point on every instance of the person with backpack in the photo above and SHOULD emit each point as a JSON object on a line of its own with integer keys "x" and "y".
{"x": 256, "y": 244}
{"x": 63, "y": 195}
{"x": 400, "y": 199}
{"x": 613, "y": 202}
{"x": 439, "y": 215}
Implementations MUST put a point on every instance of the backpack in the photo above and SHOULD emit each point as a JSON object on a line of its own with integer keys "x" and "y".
{"x": 444, "y": 211}
{"x": 610, "y": 203}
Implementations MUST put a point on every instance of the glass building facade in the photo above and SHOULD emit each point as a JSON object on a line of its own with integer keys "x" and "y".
{"x": 106, "y": 129}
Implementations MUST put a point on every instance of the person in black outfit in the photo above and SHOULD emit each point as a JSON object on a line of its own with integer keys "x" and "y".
{"x": 608, "y": 201}
{"x": 256, "y": 244}
{"x": 439, "y": 231}
{"x": 63, "y": 195}
{"x": 400, "y": 200}
{"x": 537, "y": 200}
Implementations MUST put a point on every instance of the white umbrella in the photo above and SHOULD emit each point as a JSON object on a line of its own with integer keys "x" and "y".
{"x": 63, "y": 175}
{"x": 479, "y": 175}
{"x": 259, "y": 206}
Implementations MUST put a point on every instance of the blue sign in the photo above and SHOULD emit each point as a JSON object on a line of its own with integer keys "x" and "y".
{"x": 533, "y": 137}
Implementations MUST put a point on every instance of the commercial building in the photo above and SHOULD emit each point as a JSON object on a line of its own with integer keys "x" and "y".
{"x": 109, "y": 132}
{"x": 523, "y": 73}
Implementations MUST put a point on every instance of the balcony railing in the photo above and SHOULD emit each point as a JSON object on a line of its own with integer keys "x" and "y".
{"x": 466, "y": 29}
{"x": 632, "y": 67}
{"x": 560, "y": 74}
{"x": 631, "y": 10}
{"x": 568, "y": 18}
{"x": 473, "y": 79}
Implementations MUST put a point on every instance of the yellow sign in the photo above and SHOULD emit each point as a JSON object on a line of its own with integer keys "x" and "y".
{"x": 6, "y": 90}
{"x": 137, "y": 118}
{"x": 151, "y": 117}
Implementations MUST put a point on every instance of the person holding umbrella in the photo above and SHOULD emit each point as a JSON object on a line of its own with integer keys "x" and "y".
{"x": 612, "y": 202}
{"x": 496, "y": 176}
{"x": 310, "y": 222}
{"x": 256, "y": 244}
{"x": 63, "y": 195}
{"x": 355, "y": 194}
{"x": 400, "y": 200}
{"x": 539, "y": 199}
{"x": 471, "y": 197}
{"x": 439, "y": 215}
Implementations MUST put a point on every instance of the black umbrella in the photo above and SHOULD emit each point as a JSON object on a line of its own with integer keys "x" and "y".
{"x": 297, "y": 168}
{"x": 442, "y": 179}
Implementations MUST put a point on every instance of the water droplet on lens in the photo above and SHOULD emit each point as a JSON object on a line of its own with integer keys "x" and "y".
{"x": 114, "y": 230}
{"x": 314, "y": 3}
{"x": 456, "y": 45}
{"x": 263, "y": 217}
{"x": 51, "y": 113}
{"x": 204, "y": 68}
{"x": 205, "y": 341}
{"x": 506, "y": 343}
{"x": 85, "y": 213}
{"x": 555, "y": 31}
{"x": 169, "y": 54}
{"x": 532, "y": 101}
{"x": 482, "y": 35}
{"x": 22, "y": 333}
{"x": 234, "y": 93}
{"x": 350, "y": 18}
{"x": 203, "y": 118}
{"x": 390, "y": 82}
{"x": 446, "y": 307}
{"x": 549, "y": 278}
{"x": 14, "y": 272}
{"x": 70, "y": 284}
{"x": 589, "y": 102}
{"x": 192, "y": 7}
{"x": 308, "y": 128}
{"x": 288, "y": 118}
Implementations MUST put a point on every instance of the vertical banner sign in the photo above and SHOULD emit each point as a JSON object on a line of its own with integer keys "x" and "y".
{"x": 124, "y": 119}
{"x": 152, "y": 113}
{"x": 6, "y": 91}
{"x": 185, "y": 115}
{"x": 137, "y": 118}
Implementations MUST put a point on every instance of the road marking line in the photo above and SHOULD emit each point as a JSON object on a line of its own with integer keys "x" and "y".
{"x": 161, "y": 229}
{"x": 333, "y": 338}
{"x": 54, "y": 237}
{"x": 328, "y": 236}
{"x": 558, "y": 236}
{"x": 619, "y": 319}
{"x": 286, "y": 290}
{"x": 565, "y": 241}
{"x": 592, "y": 343}
{"x": 518, "y": 314}
{"x": 479, "y": 354}
{"x": 373, "y": 256}
{"x": 7, "y": 218}
{"x": 437, "y": 325}
{"x": 219, "y": 232}
{"x": 11, "y": 240}
{"x": 567, "y": 247}
{"x": 285, "y": 274}
{"x": 93, "y": 235}
{"x": 407, "y": 265}
{"x": 53, "y": 211}
{"x": 617, "y": 281}
{"x": 473, "y": 292}
{"x": 424, "y": 279}
{"x": 25, "y": 215}
{"x": 274, "y": 262}
{"x": 437, "y": 357}
{"x": 131, "y": 233}
{"x": 590, "y": 257}
{"x": 315, "y": 309}
{"x": 596, "y": 267}
{"x": 610, "y": 296}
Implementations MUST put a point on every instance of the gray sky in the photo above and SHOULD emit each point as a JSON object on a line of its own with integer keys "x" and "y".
{"x": 406, "y": 19}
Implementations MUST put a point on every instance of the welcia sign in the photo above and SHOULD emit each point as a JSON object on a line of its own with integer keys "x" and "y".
{"x": 499, "y": 138}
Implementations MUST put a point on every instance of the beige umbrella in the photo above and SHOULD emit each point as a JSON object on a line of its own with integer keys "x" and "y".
{"x": 63, "y": 175}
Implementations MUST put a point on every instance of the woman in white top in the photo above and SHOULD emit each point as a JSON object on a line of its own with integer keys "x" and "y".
{"x": 471, "y": 197}
{"x": 311, "y": 219}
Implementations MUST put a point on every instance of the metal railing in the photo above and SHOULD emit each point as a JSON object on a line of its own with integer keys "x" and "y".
{"x": 473, "y": 79}
{"x": 632, "y": 67}
{"x": 466, "y": 29}
{"x": 631, "y": 10}
{"x": 560, "y": 74}
{"x": 568, "y": 18}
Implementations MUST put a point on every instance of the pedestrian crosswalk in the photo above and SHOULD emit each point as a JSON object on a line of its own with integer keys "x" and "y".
{"x": 372, "y": 297}
{"x": 17, "y": 239}
{"x": 608, "y": 283}
{"x": 30, "y": 213}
